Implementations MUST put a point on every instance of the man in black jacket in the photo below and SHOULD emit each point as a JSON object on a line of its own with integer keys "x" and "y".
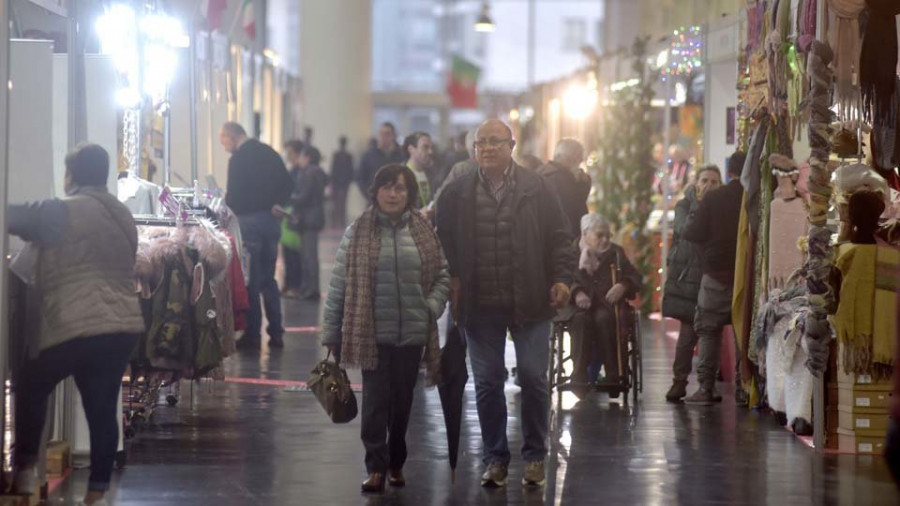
{"x": 511, "y": 259}
{"x": 715, "y": 227}
{"x": 571, "y": 184}
{"x": 258, "y": 185}
{"x": 385, "y": 152}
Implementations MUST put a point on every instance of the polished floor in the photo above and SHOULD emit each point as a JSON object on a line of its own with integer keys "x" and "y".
{"x": 243, "y": 442}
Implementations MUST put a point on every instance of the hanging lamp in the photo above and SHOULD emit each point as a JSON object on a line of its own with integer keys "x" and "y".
{"x": 484, "y": 24}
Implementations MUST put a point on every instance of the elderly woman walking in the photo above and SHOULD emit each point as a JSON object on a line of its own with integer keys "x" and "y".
{"x": 388, "y": 288}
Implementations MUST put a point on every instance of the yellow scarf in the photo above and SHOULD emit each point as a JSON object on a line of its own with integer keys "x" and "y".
{"x": 865, "y": 321}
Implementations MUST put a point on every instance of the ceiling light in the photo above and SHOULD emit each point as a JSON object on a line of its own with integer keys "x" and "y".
{"x": 484, "y": 24}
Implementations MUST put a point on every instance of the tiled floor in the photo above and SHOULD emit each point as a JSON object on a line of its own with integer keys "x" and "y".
{"x": 246, "y": 444}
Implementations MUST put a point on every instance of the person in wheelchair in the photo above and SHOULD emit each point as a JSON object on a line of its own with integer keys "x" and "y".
{"x": 604, "y": 279}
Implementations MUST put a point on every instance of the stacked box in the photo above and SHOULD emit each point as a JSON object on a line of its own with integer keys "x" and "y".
{"x": 857, "y": 411}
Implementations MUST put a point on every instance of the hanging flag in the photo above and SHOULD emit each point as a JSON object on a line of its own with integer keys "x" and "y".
{"x": 212, "y": 10}
{"x": 463, "y": 85}
{"x": 249, "y": 19}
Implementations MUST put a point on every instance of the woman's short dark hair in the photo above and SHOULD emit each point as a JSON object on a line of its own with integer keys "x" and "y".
{"x": 295, "y": 145}
{"x": 315, "y": 157}
{"x": 388, "y": 174}
{"x": 88, "y": 165}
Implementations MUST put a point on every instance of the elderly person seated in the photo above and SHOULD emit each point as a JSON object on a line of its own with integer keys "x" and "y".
{"x": 604, "y": 279}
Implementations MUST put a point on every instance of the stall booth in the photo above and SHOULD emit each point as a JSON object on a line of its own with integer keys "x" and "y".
{"x": 153, "y": 90}
{"x": 817, "y": 115}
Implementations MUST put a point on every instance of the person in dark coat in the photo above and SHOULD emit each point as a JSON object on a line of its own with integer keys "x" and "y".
{"x": 386, "y": 151}
{"x": 596, "y": 293}
{"x": 293, "y": 263}
{"x": 511, "y": 260}
{"x": 308, "y": 201}
{"x": 715, "y": 226}
{"x": 341, "y": 177}
{"x": 258, "y": 185}
{"x": 571, "y": 184}
{"x": 683, "y": 279}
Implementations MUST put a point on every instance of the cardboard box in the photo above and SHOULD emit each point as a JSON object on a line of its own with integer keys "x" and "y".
{"x": 59, "y": 458}
{"x": 852, "y": 420}
{"x": 864, "y": 443}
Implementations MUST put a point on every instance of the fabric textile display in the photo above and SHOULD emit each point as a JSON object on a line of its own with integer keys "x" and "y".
{"x": 820, "y": 255}
{"x": 869, "y": 285}
{"x": 181, "y": 272}
{"x": 847, "y": 42}
{"x": 878, "y": 59}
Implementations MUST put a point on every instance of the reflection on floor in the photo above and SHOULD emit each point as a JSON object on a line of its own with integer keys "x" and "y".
{"x": 261, "y": 444}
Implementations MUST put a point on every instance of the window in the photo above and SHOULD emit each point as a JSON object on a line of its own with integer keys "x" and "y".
{"x": 574, "y": 34}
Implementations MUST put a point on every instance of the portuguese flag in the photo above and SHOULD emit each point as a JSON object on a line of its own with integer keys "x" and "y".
{"x": 463, "y": 85}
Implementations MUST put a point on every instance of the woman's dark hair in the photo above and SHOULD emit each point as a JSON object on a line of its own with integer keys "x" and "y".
{"x": 865, "y": 208}
{"x": 88, "y": 165}
{"x": 315, "y": 157}
{"x": 388, "y": 174}
{"x": 736, "y": 164}
{"x": 295, "y": 145}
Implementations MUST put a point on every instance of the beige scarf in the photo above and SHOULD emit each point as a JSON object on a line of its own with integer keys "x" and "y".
{"x": 847, "y": 47}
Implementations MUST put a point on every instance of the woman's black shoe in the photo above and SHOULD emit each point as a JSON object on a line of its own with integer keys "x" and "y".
{"x": 374, "y": 484}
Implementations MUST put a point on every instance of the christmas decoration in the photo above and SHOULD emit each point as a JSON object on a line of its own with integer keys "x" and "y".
{"x": 623, "y": 168}
{"x": 685, "y": 53}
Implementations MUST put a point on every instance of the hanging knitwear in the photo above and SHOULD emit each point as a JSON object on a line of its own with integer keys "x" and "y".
{"x": 846, "y": 44}
{"x": 878, "y": 60}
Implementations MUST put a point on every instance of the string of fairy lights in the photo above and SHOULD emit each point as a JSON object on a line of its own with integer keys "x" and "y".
{"x": 685, "y": 53}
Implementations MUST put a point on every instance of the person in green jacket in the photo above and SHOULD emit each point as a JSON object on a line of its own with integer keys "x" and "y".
{"x": 388, "y": 288}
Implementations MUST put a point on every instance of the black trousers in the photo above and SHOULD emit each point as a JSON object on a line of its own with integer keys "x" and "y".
{"x": 293, "y": 269}
{"x": 97, "y": 363}
{"x": 386, "y": 404}
{"x": 309, "y": 260}
{"x": 594, "y": 343}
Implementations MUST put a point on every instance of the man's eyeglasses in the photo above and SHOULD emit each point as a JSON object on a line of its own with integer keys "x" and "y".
{"x": 493, "y": 142}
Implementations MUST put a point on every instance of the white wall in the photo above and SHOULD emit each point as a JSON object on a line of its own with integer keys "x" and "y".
{"x": 30, "y": 120}
{"x": 102, "y": 121}
{"x": 721, "y": 92}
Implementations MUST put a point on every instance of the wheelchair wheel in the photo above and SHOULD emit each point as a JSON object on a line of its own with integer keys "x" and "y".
{"x": 639, "y": 347}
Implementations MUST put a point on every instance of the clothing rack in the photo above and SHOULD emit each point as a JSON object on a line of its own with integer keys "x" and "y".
{"x": 162, "y": 221}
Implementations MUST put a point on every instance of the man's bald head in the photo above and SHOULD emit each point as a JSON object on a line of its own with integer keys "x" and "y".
{"x": 494, "y": 145}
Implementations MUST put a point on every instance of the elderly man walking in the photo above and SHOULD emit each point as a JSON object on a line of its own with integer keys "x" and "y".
{"x": 571, "y": 184}
{"x": 509, "y": 247}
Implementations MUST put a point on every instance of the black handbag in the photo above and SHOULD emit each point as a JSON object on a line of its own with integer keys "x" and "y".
{"x": 328, "y": 381}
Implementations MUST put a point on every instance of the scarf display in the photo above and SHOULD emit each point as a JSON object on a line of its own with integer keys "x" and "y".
{"x": 846, "y": 58}
{"x": 358, "y": 347}
{"x": 878, "y": 59}
{"x": 806, "y": 24}
{"x": 819, "y": 265}
{"x": 871, "y": 277}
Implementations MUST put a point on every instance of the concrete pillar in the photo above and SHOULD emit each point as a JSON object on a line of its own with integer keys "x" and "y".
{"x": 335, "y": 71}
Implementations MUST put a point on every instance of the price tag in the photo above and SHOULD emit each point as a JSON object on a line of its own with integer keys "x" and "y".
{"x": 865, "y": 448}
{"x": 863, "y": 423}
{"x": 863, "y": 402}
{"x": 864, "y": 379}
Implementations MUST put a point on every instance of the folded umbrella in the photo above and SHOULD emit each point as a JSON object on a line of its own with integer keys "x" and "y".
{"x": 451, "y": 387}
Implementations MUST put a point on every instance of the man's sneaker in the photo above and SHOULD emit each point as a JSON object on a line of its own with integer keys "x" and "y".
{"x": 677, "y": 391}
{"x": 702, "y": 397}
{"x": 534, "y": 474}
{"x": 495, "y": 476}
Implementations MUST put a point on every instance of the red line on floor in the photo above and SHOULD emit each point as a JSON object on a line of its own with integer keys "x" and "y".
{"x": 54, "y": 482}
{"x": 301, "y": 329}
{"x": 275, "y": 382}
